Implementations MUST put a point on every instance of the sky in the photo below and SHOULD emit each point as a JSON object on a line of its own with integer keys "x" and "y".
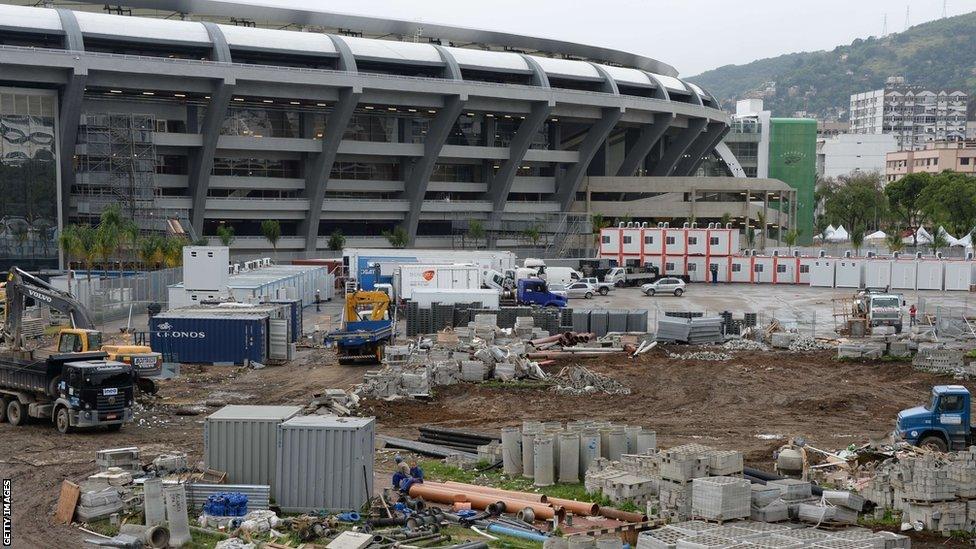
{"x": 691, "y": 35}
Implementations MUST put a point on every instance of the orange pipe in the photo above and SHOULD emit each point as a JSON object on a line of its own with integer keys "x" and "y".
{"x": 622, "y": 515}
{"x": 528, "y": 496}
{"x": 579, "y": 508}
{"x": 482, "y": 501}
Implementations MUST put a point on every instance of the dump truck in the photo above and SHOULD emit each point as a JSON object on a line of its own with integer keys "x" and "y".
{"x": 878, "y": 307}
{"x": 944, "y": 423}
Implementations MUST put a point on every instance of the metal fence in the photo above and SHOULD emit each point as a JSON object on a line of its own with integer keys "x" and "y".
{"x": 114, "y": 297}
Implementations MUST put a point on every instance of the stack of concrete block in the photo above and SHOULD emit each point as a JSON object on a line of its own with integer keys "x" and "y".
{"x": 662, "y": 538}
{"x": 473, "y": 370}
{"x": 648, "y": 465}
{"x": 96, "y": 504}
{"x": 930, "y": 482}
{"x": 491, "y": 452}
{"x": 943, "y": 516}
{"x": 720, "y": 498}
{"x": 705, "y": 541}
{"x": 868, "y": 350}
{"x": 793, "y": 492}
{"x": 862, "y": 537}
{"x": 823, "y": 514}
{"x": 843, "y": 498}
{"x": 723, "y": 463}
{"x": 938, "y": 359}
{"x": 674, "y": 500}
{"x": 447, "y": 372}
{"x": 750, "y": 534}
{"x": 766, "y": 504}
{"x": 125, "y": 459}
{"x": 684, "y": 463}
{"x": 113, "y": 476}
{"x": 962, "y": 474}
{"x": 628, "y": 487}
{"x": 782, "y": 340}
{"x": 504, "y": 371}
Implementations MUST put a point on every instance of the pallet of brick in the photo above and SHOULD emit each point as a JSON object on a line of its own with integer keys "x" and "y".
{"x": 825, "y": 514}
{"x": 763, "y": 494}
{"x": 791, "y": 489}
{"x": 472, "y": 370}
{"x": 720, "y": 498}
{"x": 705, "y": 541}
{"x": 674, "y": 500}
{"x": 126, "y": 459}
{"x": 775, "y": 511}
{"x": 807, "y": 536}
{"x": 844, "y": 498}
{"x": 774, "y": 542}
{"x": 945, "y": 516}
{"x": 662, "y": 538}
{"x": 723, "y": 463}
{"x": 860, "y": 535}
{"x": 962, "y": 474}
{"x": 895, "y": 541}
{"x": 760, "y": 528}
{"x": 684, "y": 463}
{"x": 629, "y": 487}
{"x": 930, "y": 482}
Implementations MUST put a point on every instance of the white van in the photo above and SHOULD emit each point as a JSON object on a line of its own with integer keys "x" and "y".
{"x": 562, "y": 275}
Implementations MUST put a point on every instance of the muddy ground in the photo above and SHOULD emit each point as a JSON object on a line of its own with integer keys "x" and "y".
{"x": 751, "y": 403}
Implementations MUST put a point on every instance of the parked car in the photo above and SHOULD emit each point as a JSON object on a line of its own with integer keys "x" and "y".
{"x": 603, "y": 288}
{"x": 581, "y": 289}
{"x": 666, "y": 285}
{"x": 559, "y": 289}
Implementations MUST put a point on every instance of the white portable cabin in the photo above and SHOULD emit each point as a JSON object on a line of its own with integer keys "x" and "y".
{"x": 653, "y": 241}
{"x": 610, "y": 243}
{"x": 930, "y": 274}
{"x": 849, "y": 272}
{"x": 823, "y": 271}
{"x": 740, "y": 267}
{"x": 675, "y": 241}
{"x": 804, "y": 270}
{"x": 655, "y": 260}
{"x": 676, "y": 265}
{"x": 904, "y": 273}
{"x": 722, "y": 264}
{"x": 959, "y": 274}
{"x": 696, "y": 240}
{"x": 697, "y": 269}
{"x": 784, "y": 269}
{"x": 722, "y": 240}
{"x": 763, "y": 271}
{"x": 630, "y": 241}
{"x": 877, "y": 272}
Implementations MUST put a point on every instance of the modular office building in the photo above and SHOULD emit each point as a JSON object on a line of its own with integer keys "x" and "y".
{"x": 199, "y": 114}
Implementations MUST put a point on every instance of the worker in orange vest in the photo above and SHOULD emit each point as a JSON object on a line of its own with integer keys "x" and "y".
{"x": 912, "y": 311}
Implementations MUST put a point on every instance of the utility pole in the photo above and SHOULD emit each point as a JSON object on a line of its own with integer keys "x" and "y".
{"x": 908, "y": 15}
{"x": 945, "y": 8}
{"x": 884, "y": 26}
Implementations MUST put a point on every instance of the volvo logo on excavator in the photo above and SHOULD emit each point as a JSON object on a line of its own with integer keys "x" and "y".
{"x": 38, "y": 295}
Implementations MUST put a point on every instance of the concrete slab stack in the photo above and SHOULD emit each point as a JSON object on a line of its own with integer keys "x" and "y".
{"x": 720, "y": 498}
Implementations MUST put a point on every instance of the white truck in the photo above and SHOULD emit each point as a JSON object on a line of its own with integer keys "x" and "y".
{"x": 879, "y": 308}
{"x": 408, "y": 278}
{"x": 425, "y": 297}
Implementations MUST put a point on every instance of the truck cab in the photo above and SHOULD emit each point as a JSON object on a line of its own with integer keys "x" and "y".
{"x": 99, "y": 392}
{"x": 533, "y": 291}
{"x": 144, "y": 361}
{"x": 880, "y": 308}
{"x": 943, "y": 423}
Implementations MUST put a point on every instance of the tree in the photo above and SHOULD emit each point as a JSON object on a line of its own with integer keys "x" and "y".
{"x": 751, "y": 236}
{"x": 726, "y": 219}
{"x": 271, "y": 229}
{"x": 854, "y": 200}
{"x": 225, "y": 233}
{"x": 905, "y": 200}
{"x": 598, "y": 223}
{"x": 337, "y": 241}
{"x": 857, "y": 238}
{"x": 939, "y": 241}
{"x": 398, "y": 237}
{"x": 172, "y": 251}
{"x": 151, "y": 251}
{"x": 533, "y": 234}
{"x": 894, "y": 241}
{"x": 950, "y": 200}
{"x": 820, "y": 225}
{"x": 791, "y": 237}
{"x": 107, "y": 242}
{"x": 70, "y": 242}
{"x": 476, "y": 231}
{"x": 761, "y": 221}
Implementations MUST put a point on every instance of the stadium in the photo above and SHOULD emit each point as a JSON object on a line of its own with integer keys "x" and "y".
{"x": 197, "y": 114}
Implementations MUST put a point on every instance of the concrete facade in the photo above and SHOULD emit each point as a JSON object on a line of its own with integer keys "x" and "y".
{"x": 957, "y": 156}
{"x": 846, "y": 154}
{"x": 232, "y": 125}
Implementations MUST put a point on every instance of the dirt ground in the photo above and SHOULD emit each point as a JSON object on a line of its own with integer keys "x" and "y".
{"x": 751, "y": 403}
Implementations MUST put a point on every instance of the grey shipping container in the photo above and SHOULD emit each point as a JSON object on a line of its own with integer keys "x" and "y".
{"x": 637, "y": 321}
{"x": 295, "y": 312}
{"x": 202, "y": 338}
{"x": 325, "y": 463}
{"x": 242, "y": 440}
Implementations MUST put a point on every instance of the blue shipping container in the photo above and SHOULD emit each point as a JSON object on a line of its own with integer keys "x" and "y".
{"x": 295, "y": 310}
{"x": 203, "y": 339}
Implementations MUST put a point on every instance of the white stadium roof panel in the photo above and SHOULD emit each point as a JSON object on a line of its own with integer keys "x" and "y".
{"x": 568, "y": 67}
{"x": 16, "y": 17}
{"x": 495, "y": 60}
{"x": 671, "y": 82}
{"x": 628, "y": 76}
{"x": 273, "y": 39}
{"x": 389, "y": 49}
{"x": 142, "y": 28}
{"x": 701, "y": 93}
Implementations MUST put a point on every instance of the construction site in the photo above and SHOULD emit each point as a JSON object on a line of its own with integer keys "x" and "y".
{"x": 421, "y": 398}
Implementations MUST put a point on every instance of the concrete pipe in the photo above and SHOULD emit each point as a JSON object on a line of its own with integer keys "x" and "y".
{"x": 511, "y": 494}
{"x": 633, "y": 431}
{"x": 624, "y": 516}
{"x": 569, "y": 456}
{"x": 618, "y": 443}
{"x": 154, "y": 536}
{"x": 531, "y": 425}
{"x": 590, "y": 449}
{"x": 528, "y": 464}
{"x": 604, "y": 428}
{"x": 526, "y": 514}
{"x": 581, "y": 542}
{"x": 608, "y": 542}
{"x": 445, "y": 495}
{"x": 179, "y": 522}
{"x": 579, "y": 508}
{"x": 153, "y": 504}
{"x": 646, "y": 441}
{"x": 552, "y": 425}
{"x": 512, "y": 451}
{"x": 542, "y": 460}
{"x": 554, "y": 433}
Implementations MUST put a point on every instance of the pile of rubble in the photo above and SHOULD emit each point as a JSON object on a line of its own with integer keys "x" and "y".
{"x": 932, "y": 491}
{"x": 744, "y": 344}
{"x": 701, "y": 355}
{"x": 807, "y": 344}
{"x": 577, "y": 380}
{"x": 335, "y": 402}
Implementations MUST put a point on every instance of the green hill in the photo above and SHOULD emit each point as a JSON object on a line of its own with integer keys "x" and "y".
{"x": 938, "y": 54}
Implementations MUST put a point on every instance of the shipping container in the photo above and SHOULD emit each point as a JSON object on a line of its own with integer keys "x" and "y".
{"x": 697, "y": 270}
{"x": 784, "y": 270}
{"x": 849, "y": 272}
{"x": 904, "y": 274}
{"x": 697, "y": 241}
{"x": 295, "y": 314}
{"x": 958, "y": 275}
{"x": 805, "y": 271}
{"x": 449, "y": 277}
{"x": 425, "y": 297}
{"x": 762, "y": 269}
{"x": 823, "y": 272}
{"x": 263, "y": 284}
{"x": 721, "y": 266}
{"x": 740, "y": 268}
{"x": 325, "y": 463}
{"x": 610, "y": 244}
{"x": 630, "y": 242}
{"x": 877, "y": 273}
{"x": 206, "y": 267}
{"x": 675, "y": 242}
{"x": 194, "y": 338}
{"x": 930, "y": 275}
{"x": 243, "y": 441}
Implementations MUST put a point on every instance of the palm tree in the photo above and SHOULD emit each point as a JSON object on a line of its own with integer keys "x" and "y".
{"x": 791, "y": 237}
{"x": 150, "y": 252}
{"x": 857, "y": 238}
{"x": 751, "y": 236}
{"x": 894, "y": 241}
{"x": 337, "y": 240}
{"x": 939, "y": 241}
{"x": 398, "y": 237}
{"x": 128, "y": 239}
{"x": 107, "y": 242}
{"x": 726, "y": 219}
{"x": 172, "y": 251}
{"x": 226, "y": 234}
{"x": 761, "y": 221}
{"x": 271, "y": 229}
{"x": 70, "y": 242}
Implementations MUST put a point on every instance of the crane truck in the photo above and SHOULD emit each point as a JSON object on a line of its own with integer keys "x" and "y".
{"x": 361, "y": 340}
{"x": 73, "y": 389}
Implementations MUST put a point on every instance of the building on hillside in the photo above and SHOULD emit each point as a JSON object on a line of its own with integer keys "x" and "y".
{"x": 847, "y": 154}
{"x": 829, "y": 128}
{"x": 957, "y": 156}
{"x": 914, "y": 114}
{"x": 196, "y": 115}
{"x": 778, "y": 148}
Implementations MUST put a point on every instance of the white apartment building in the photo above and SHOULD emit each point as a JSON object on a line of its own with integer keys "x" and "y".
{"x": 913, "y": 114}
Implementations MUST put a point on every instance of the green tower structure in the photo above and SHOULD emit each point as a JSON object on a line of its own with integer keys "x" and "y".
{"x": 793, "y": 160}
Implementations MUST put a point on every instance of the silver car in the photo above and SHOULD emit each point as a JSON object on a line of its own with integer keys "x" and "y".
{"x": 581, "y": 289}
{"x": 666, "y": 285}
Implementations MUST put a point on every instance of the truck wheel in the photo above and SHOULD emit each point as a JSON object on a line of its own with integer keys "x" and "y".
{"x": 3, "y": 409}
{"x": 62, "y": 420}
{"x": 604, "y": 290}
{"x": 619, "y": 283}
{"x": 650, "y": 292}
{"x": 113, "y": 427}
{"x": 16, "y": 413}
{"x": 933, "y": 442}
{"x": 589, "y": 295}
{"x": 678, "y": 292}
{"x": 897, "y": 328}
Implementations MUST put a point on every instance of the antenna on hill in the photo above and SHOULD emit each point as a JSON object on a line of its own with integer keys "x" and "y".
{"x": 908, "y": 15}
{"x": 945, "y": 8}
{"x": 884, "y": 26}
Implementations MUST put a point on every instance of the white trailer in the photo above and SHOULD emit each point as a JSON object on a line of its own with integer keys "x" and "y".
{"x": 877, "y": 273}
{"x": 930, "y": 274}
{"x": 630, "y": 242}
{"x": 697, "y": 269}
{"x": 610, "y": 243}
{"x": 823, "y": 272}
{"x": 409, "y": 278}
{"x": 369, "y": 266}
{"x": 653, "y": 242}
{"x": 849, "y": 272}
{"x": 424, "y": 297}
{"x": 784, "y": 269}
{"x": 740, "y": 268}
{"x": 697, "y": 241}
{"x": 763, "y": 271}
{"x": 721, "y": 265}
{"x": 804, "y": 269}
{"x": 904, "y": 274}
{"x": 675, "y": 241}
{"x": 958, "y": 275}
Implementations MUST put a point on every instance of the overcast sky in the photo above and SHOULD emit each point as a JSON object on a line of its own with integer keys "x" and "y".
{"x": 691, "y": 35}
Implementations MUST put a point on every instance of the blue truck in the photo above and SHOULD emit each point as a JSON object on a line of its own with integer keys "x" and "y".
{"x": 533, "y": 291}
{"x": 942, "y": 424}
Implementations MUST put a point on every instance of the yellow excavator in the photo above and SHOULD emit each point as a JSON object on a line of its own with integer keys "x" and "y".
{"x": 366, "y": 328}
{"x": 81, "y": 337}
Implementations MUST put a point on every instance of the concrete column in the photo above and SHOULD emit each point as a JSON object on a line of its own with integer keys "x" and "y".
{"x": 746, "y": 212}
{"x": 703, "y": 146}
{"x": 69, "y": 113}
{"x": 569, "y": 183}
{"x": 676, "y": 151}
{"x": 765, "y": 215}
{"x": 694, "y": 197}
{"x": 649, "y": 136}
{"x": 779, "y": 219}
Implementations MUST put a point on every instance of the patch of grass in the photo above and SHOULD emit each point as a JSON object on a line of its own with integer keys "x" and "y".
{"x": 890, "y": 519}
{"x": 971, "y": 354}
{"x": 439, "y": 471}
{"x": 462, "y": 535}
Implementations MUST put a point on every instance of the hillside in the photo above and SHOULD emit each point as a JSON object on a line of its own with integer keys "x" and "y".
{"x": 937, "y": 54}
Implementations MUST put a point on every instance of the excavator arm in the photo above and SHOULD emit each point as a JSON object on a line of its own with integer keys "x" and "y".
{"x": 22, "y": 285}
